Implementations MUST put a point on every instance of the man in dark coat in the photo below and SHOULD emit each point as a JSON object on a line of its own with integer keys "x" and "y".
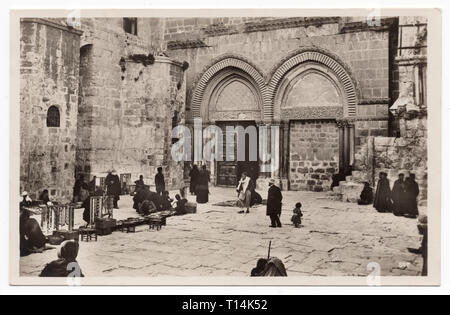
{"x": 412, "y": 192}
{"x": 399, "y": 196}
{"x": 193, "y": 174}
{"x": 140, "y": 183}
{"x": 113, "y": 187}
{"x": 382, "y": 201}
{"x": 159, "y": 182}
{"x": 274, "y": 199}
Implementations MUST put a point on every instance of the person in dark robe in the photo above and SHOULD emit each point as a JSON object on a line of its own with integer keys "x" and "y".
{"x": 382, "y": 201}
{"x": 113, "y": 187}
{"x": 180, "y": 207}
{"x": 202, "y": 190}
{"x": 366, "y": 196}
{"x": 147, "y": 207}
{"x": 44, "y": 197}
{"x": 87, "y": 211}
{"x": 412, "y": 192}
{"x": 272, "y": 267}
{"x": 159, "y": 182}
{"x": 92, "y": 186}
{"x": 76, "y": 188}
{"x": 66, "y": 265}
{"x": 165, "y": 201}
{"x": 144, "y": 194}
{"x": 139, "y": 183}
{"x": 256, "y": 198}
{"x": 32, "y": 240}
{"x": 274, "y": 199}
{"x": 399, "y": 196}
{"x": 193, "y": 174}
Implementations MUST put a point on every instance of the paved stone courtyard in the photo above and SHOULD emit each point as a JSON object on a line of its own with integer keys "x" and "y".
{"x": 337, "y": 239}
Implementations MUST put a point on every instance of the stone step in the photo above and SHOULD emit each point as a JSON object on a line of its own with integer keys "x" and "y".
{"x": 350, "y": 191}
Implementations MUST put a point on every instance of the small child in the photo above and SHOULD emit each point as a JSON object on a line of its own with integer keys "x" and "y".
{"x": 297, "y": 217}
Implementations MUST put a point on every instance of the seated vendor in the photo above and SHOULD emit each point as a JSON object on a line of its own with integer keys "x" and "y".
{"x": 180, "y": 205}
{"x": 166, "y": 201}
{"x": 66, "y": 265}
{"x": 32, "y": 240}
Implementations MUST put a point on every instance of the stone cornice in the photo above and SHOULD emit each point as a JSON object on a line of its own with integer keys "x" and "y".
{"x": 410, "y": 60}
{"x": 52, "y": 24}
{"x": 219, "y": 30}
{"x": 385, "y": 24}
{"x": 186, "y": 44}
{"x": 283, "y": 23}
{"x": 374, "y": 101}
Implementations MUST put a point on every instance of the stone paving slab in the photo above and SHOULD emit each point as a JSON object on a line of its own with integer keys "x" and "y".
{"x": 336, "y": 239}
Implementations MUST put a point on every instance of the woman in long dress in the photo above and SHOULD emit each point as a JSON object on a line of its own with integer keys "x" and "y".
{"x": 244, "y": 189}
{"x": 202, "y": 189}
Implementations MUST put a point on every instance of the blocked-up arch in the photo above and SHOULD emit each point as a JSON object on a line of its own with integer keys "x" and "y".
{"x": 326, "y": 59}
{"x": 218, "y": 66}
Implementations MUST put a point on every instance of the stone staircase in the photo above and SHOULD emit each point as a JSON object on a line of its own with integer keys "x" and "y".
{"x": 350, "y": 189}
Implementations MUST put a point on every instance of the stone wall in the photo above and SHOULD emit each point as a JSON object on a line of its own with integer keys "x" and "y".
{"x": 405, "y": 155}
{"x": 127, "y": 105}
{"x": 49, "y": 67}
{"x": 265, "y": 44}
{"x": 314, "y": 155}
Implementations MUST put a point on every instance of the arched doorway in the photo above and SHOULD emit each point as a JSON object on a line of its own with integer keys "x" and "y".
{"x": 314, "y": 97}
{"x": 229, "y": 96}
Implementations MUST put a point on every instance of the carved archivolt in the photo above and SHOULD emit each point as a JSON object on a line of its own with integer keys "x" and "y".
{"x": 268, "y": 88}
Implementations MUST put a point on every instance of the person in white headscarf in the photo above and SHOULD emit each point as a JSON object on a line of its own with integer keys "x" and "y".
{"x": 244, "y": 190}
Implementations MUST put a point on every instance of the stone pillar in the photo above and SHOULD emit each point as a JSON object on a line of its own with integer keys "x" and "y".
{"x": 371, "y": 160}
{"x": 341, "y": 126}
{"x": 352, "y": 143}
{"x": 284, "y": 155}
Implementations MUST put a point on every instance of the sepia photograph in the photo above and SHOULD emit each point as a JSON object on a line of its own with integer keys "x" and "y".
{"x": 225, "y": 147}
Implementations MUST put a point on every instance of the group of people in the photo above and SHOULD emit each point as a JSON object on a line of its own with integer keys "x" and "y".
{"x": 146, "y": 201}
{"x": 401, "y": 200}
{"x": 199, "y": 183}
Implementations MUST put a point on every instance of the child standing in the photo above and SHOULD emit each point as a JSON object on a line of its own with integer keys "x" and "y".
{"x": 297, "y": 217}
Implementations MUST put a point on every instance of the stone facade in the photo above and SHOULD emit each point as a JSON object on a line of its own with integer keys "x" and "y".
{"x": 127, "y": 105}
{"x": 337, "y": 87}
{"x": 314, "y": 155}
{"x": 117, "y": 98}
{"x": 49, "y": 58}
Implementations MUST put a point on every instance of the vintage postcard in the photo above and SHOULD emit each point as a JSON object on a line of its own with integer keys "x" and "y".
{"x": 225, "y": 147}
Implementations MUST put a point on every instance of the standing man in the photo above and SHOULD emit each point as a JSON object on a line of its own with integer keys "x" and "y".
{"x": 113, "y": 187}
{"x": 274, "y": 199}
{"x": 159, "y": 182}
{"x": 140, "y": 183}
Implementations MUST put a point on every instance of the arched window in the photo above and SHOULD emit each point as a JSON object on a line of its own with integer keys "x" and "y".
{"x": 53, "y": 117}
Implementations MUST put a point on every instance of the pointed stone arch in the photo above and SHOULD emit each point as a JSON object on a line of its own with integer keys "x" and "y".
{"x": 324, "y": 58}
{"x": 217, "y": 66}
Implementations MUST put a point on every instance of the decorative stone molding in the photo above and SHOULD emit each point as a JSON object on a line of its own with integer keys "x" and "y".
{"x": 219, "y": 30}
{"x": 312, "y": 112}
{"x": 283, "y": 23}
{"x": 320, "y": 56}
{"x": 186, "y": 44}
{"x": 374, "y": 101}
{"x": 353, "y": 27}
{"x": 217, "y": 66}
